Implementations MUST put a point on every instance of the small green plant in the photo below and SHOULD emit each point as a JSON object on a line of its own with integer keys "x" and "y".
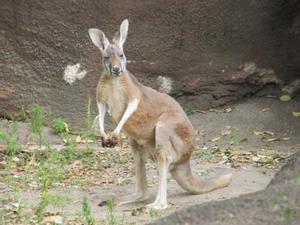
{"x": 59, "y": 200}
{"x": 189, "y": 111}
{"x": 49, "y": 173}
{"x": 234, "y": 136}
{"x": 11, "y": 140}
{"x": 37, "y": 121}
{"x": 39, "y": 212}
{"x": 205, "y": 155}
{"x": 60, "y": 126}
{"x": 111, "y": 217}
{"x": 86, "y": 209}
{"x": 297, "y": 178}
{"x": 69, "y": 152}
{"x": 288, "y": 214}
{"x": 153, "y": 213}
{"x": 90, "y": 132}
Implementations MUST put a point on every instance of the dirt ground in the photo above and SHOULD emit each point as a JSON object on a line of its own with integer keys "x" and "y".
{"x": 252, "y": 139}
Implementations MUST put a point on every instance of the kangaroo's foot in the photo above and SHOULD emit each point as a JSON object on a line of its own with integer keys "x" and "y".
{"x": 158, "y": 205}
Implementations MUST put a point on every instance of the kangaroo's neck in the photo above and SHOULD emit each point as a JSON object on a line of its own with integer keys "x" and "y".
{"x": 125, "y": 84}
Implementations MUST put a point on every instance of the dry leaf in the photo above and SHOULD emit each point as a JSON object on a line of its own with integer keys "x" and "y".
{"x": 199, "y": 132}
{"x": 225, "y": 132}
{"x": 296, "y": 114}
{"x": 216, "y": 139}
{"x": 53, "y": 219}
{"x": 273, "y": 139}
{"x": 265, "y": 109}
{"x": 77, "y": 164}
{"x": 90, "y": 141}
{"x": 3, "y": 165}
{"x": 78, "y": 139}
{"x": 263, "y": 133}
{"x": 255, "y": 158}
{"x": 66, "y": 127}
{"x": 227, "y": 110}
{"x": 285, "y": 98}
{"x": 15, "y": 159}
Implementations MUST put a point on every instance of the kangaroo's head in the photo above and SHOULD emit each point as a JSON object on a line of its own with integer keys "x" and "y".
{"x": 113, "y": 57}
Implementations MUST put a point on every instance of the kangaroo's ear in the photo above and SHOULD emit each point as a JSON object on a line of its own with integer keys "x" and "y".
{"x": 98, "y": 38}
{"x": 121, "y": 35}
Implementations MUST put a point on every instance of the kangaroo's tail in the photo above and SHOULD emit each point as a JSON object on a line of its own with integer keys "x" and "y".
{"x": 184, "y": 177}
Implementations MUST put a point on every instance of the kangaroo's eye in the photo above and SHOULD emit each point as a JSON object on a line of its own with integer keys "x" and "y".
{"x": 106, "y": 57}
{"x": 121, "y": 56}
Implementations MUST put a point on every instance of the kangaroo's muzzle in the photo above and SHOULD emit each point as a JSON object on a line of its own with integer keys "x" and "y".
{"x": 116, "y": 70}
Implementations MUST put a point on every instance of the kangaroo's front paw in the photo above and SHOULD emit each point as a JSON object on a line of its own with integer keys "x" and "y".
{"x": 109, "y": 141}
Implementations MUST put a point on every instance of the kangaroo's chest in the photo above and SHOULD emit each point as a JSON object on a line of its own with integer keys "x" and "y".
{"x": 115, "y": 101}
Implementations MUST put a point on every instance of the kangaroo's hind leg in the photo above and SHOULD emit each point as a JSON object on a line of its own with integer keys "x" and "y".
{"x": 164, "y": 154}
{"x": 140, "y": 173}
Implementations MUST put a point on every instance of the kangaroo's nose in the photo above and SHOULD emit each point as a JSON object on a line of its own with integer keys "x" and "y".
{"x": 116, "y": 69}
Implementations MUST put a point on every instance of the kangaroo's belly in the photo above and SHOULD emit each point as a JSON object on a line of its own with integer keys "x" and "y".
{"x": 141, "y": 125}
{"x": 116, "y": 106}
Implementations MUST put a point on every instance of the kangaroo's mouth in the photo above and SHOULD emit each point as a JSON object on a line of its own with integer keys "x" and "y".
{"x": 116, "y": 73}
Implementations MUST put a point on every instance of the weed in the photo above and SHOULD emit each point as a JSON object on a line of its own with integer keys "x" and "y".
{"x": 69, "y": 152}
{"x": 11, "y": 140}
{"x": 111, "y": 217}
{"x": 205, "y": 155}
{"x": 234, "y": 136}
{"x": 60, "y": 126}
{"x": 288, "y": 214}
{"x": 87, "y": 212}
{"x": 297, "y": 178}
{"x": 189, "y": 111}
{"x": 90, "y": 122}
{"x": 37, "y": 121}
{"x": 44, "y": 200}
{"x": 153, "y": 213}
{"x": 48, "y": 173}
{"x": 12, "y": 211}
{"x": 59, "y": 200}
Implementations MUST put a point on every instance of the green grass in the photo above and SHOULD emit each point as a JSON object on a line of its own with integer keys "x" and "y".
{"x": 189, "y": 111}
{"x": 86, "y": 211}
{"x": 36, "y": 121}
{"x": 153, "y": 213}
{"x": 90, "y": 129}
{"x": 51, "y": 168}
{"x": 11, "y": 140}
{"x": 234, "y": 137}
{"x": 287, "y": 214}
{"x": 60, "y": 126}
{"x": 111, "y": 216}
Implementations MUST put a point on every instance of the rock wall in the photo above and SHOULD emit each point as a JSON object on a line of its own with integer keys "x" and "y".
{"x": 215, "y": 51}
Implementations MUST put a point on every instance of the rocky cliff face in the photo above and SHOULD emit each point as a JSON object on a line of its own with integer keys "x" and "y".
{"x": 214, "y": 51}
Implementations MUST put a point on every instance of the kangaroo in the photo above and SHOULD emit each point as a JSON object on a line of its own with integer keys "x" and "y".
{"x": 155, "y": 123}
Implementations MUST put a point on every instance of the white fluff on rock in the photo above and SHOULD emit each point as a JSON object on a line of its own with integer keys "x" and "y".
{"x": 165, "y": 84}
{"x": 73, "y": 73}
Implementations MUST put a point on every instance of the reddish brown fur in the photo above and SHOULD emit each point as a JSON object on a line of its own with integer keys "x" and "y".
{"x": 152, "y": 104}
{"x": 155, "y": 122}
